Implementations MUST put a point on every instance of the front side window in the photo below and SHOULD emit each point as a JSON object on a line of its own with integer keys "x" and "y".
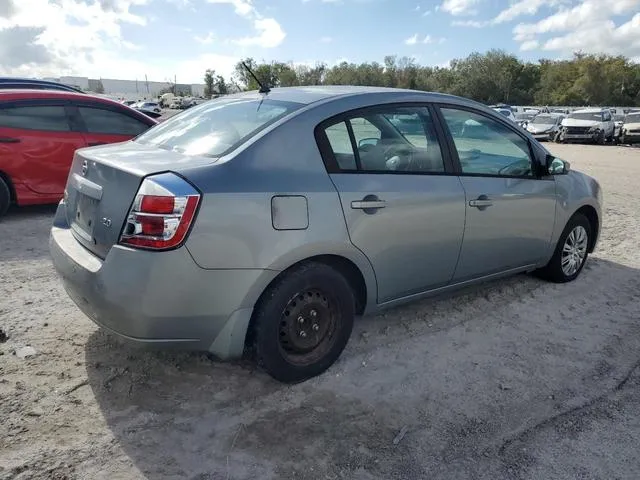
{"x": 47, "y": 118}
{"x": 395, "y": 139}
{"x": 217, "y": 127}
{"x": 100, "y": 120}
{"x": 486, "y": 147}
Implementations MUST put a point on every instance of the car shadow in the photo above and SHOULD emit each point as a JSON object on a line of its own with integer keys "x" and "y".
{"x": 24, "y": 232}
{"x": 461, "y": 374}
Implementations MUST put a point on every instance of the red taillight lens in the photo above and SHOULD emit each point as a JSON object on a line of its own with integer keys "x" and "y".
{"x": 161, "y": 214}
{"x": 157, "y": 204}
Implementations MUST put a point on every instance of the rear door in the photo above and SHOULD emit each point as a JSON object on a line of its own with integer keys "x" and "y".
{"x": 103, "y": 123}
{"x": 37, "y": 144}
{"x": 403, "y": 206}
{"x": 510, "y": 207}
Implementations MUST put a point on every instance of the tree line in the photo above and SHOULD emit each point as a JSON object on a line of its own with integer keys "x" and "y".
{"x": 492, "y": 77}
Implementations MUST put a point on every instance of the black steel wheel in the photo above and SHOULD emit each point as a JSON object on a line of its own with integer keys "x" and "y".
{"x": 303, "y": 322}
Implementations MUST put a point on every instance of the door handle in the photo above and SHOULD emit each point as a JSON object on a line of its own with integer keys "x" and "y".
{"x": 9, "y": 140}
{"x": 480, "y": 203}
{"x": 366, "y": 204}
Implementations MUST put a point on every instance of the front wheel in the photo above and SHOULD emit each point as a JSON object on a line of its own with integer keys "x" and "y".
{"x": 571, "y": 251}
{"x": 303, "y": 322}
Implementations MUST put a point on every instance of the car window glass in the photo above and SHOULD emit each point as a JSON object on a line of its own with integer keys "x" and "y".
{"x": 50, "y": 118}
{"x": 487, "y": 147}
{"x": 99, "y": 120}
{"x": 393, "y": 140}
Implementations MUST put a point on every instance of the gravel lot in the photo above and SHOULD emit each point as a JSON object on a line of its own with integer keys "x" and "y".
{"x": 518, "y": 379}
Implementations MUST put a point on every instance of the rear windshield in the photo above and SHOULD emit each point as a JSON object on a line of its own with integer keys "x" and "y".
{"x": 594, "y": 116}
{"x": 218, "y": 126}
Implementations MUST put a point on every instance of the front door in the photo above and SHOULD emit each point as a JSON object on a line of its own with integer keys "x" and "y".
{"x": 510, "y": 209}
{"x": 403, "y": 208}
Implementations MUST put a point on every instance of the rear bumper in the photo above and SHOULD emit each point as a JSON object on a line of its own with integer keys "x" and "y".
{"x": 160, "y": 298}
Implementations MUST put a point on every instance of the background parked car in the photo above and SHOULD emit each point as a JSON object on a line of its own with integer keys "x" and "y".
{"x": 40, "y": 132}
{"x": 507, "y": 112}
{"x": 14, "y": 83}
{"x": 545, "y": 126}
{"x": 588, "y": 125}
{"x": 630, "y": 130}
{"x": 147, "y": 107}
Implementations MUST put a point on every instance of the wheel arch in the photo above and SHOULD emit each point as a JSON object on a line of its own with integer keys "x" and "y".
{"x": 364, "y": 292}
{"x": 594, "y": 221}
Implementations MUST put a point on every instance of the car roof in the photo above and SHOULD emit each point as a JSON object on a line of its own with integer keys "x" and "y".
{"x": 26, "y": 93}
{"x": 591, "y": 110}
{"x": 36, "y": 82}
{"x": 311, "y": 94}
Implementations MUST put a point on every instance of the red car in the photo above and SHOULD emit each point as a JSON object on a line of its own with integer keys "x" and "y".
{"x": 41, "y": 129}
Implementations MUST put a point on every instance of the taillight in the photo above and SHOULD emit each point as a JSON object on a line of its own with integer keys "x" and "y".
{"x": 161, "y": 214}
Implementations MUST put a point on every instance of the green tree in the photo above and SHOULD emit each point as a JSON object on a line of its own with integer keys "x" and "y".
{"x": 209, "y": 81}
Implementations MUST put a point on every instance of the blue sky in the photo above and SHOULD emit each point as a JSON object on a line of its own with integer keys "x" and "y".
{"x": 163, "y": 38}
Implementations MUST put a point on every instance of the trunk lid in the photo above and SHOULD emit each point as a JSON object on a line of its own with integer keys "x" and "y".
{"x": 103, "y": 182}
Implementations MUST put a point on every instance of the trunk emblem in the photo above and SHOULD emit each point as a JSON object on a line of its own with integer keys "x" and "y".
{"x": 106, "y": 222}
{"x": 85, "y": 167}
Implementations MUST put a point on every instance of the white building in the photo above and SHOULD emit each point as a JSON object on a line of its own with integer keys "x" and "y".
{"x": 129, "y": 89}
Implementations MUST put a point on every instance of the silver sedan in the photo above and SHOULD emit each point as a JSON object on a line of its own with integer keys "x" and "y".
{"x": 263, "y": 223}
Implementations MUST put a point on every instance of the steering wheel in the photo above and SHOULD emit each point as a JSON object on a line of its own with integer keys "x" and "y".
{"x": 398, "y": 157}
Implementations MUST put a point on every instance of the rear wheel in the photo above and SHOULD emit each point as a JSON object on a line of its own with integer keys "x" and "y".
{"x": 5, "y": 197}
{"x": 303, "y": 322}
{"x": 571, "y": 251}
{"x": 601, "y": 138}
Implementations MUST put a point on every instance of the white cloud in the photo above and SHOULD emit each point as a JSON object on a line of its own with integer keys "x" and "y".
{"x": 243, "y": 8}
{"x": 426, "y": 13}
{"x": 270, "y": 34}
{"x": 589, "y": 27}
{"x": 428, "y": 39}
{"x": 412, "y": 40}
{"x": 529, "y": 45}
{"x": 208, "y": 39}
{"x": 460, "y": 7}
{"x": 470, "y": 23}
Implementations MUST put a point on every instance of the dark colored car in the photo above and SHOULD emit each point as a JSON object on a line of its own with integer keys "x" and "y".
{"x": 17, "y": 83}
{"x": 40, "y": 131}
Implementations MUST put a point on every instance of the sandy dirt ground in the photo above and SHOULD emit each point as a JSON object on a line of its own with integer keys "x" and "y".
{"x": 518, "y": 379}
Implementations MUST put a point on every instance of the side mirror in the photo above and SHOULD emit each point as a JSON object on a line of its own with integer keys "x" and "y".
{"x": 555, "y": 166}
{"x": 368, "y": 141}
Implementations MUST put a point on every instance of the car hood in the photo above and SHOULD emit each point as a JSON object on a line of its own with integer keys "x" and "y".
{"x": 574, "y": 122}
{"x": 633, "y": 125}
{"x": 539, "y": 127}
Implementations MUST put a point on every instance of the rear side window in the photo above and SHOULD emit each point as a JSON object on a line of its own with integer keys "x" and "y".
{"x": 49, "y": 118}
{"x": 100, "y": 120}
{"x": 217, "y": 127}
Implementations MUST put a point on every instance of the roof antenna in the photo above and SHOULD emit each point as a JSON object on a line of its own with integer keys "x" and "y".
{"x": 263, "y": 88}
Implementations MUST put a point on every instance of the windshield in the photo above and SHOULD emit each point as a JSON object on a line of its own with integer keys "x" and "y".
{"x": 504, "y": 111}
{"x": 632, "y": 118}
{"x": 592, "y": 116}
{"x": 544, "y": 120}
{"x": 216, "y": 127}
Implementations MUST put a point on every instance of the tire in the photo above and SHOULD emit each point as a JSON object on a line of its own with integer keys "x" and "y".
{"x": 601, "y": 138}
{"x": 553, "y": 271}
{"x": 621, "y": 139}
{"x": 313, "y": 297}
{"x": 5, "y": 197}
